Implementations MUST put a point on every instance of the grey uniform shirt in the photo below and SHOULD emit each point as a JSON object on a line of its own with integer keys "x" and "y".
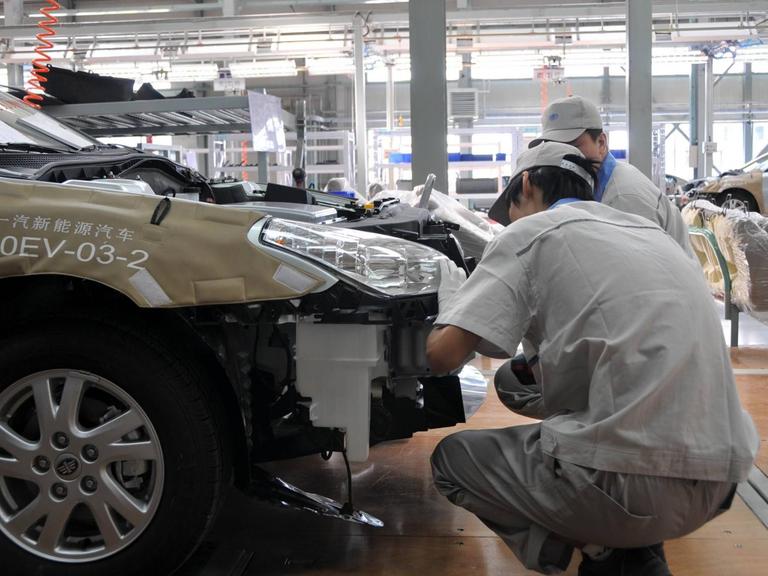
{"x": 634, "y": 367}
{"x": 629, "y": 190}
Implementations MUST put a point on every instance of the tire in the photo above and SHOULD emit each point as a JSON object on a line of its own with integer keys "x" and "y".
{"x": 176, "y": 470}
{"x": 739, "y": 200}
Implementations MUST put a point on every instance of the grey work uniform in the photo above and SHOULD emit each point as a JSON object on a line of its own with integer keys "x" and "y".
{"x": 623, "y": 187}
{"x": 629, "y": 190}
{"x": 644, "y": 436}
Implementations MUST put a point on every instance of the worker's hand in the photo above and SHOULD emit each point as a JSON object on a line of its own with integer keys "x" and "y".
{"x": 451, "y": 279}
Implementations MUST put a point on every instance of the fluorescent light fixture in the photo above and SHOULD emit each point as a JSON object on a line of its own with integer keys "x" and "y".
{"x": 385, "y": 2}
{"x": 330, "y": 66}
{"x": 123, "y": 69}
{"x": 263, "y": 69}
{"x": 193, "y": 72}
{"x": 126, "y": 12}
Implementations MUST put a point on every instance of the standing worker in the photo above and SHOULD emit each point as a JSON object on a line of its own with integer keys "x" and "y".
{"x": 631, "y": 356}
{"x": 576, "y": 121}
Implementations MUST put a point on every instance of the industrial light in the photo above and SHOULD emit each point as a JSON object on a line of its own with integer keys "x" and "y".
{"x": 127, "y": 12}
{"x": 330, "y": 66}
{"x": 263, "y": 69}
{"x": 123, "y": 69}
{"x": 193, "y": 72}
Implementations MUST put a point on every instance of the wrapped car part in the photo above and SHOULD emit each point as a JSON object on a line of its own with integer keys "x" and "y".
{"x": 743, "y": 240}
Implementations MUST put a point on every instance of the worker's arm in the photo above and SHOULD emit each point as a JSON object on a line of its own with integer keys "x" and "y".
{"x": 448, "y": 348}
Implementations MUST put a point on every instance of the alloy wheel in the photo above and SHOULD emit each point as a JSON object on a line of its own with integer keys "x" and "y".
{"x": 81, "y": 466}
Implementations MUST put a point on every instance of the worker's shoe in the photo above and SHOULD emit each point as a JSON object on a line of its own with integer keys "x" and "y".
{"x": 658, "y": 549}
{"x": 648, "y": 561}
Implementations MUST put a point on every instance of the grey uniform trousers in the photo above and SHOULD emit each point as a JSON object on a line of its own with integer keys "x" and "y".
{"x": 529, "y": 498}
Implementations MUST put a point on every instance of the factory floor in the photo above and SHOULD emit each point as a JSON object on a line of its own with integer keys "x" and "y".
{"x": 424, "y": 534}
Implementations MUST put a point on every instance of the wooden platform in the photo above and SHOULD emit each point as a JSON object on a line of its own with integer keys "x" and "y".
{"x": 426, "y": 535}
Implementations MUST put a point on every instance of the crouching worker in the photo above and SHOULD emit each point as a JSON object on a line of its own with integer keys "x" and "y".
{"x": 644, "y": 437}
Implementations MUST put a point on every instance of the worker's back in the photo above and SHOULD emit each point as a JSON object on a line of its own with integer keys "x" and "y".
{"x": 629, "y": 190}
{"x": 630, "y": 346}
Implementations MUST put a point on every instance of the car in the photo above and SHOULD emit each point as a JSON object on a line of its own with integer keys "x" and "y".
{"x": 38, "y": 147}
{"x": 743, "y": 188}
{"x": 157, "y": 348}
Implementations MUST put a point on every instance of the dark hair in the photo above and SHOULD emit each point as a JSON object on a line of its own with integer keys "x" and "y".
{"x": 556, "y": 183}
{"x": 299, "y": 175}
{"x": 594, "y": 133}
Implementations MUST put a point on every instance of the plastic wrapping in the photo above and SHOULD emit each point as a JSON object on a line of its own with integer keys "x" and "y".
{"x": 475, "y": 231}
{"x": 743, "y": 242}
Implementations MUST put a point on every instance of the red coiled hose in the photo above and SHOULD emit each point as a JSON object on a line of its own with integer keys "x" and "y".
{"x": 39, "y": 68}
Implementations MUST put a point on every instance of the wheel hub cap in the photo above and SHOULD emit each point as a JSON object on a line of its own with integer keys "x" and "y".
{"x": 68, "y": 467}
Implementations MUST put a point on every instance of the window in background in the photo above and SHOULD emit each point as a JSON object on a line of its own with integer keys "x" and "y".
{"x": 759, "y": 138}
{"x": 720, "y": 65}
{"x": 661, "y": 68}
{"x": 730, "y": 145}
{"x": 677, "y": 152}
{"x": 618, "y": 140}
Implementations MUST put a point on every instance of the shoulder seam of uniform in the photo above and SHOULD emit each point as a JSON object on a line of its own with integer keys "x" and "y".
{"x": 559, "y": 225}
{"x": 656, "y": 190}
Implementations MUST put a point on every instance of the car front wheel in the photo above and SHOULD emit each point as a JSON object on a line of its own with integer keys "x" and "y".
{"x": 738, "y": 200}
{"x": 110, "y": 459}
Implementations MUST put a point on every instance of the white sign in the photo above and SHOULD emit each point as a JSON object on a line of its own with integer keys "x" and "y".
{"x": 229, "y": 84}
{"x": 191, "y": 159}
{"x": 266, "y": 122}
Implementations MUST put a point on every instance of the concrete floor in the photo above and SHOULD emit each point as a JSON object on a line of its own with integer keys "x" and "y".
{"x": 424, "y": 534}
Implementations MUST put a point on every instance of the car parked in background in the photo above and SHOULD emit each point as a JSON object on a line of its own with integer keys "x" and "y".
{"x": 743, "y": 188}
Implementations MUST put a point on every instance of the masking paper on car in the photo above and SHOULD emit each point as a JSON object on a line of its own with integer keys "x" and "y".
{"x": 743, "y": 240}
{"x": 196, "y": 254}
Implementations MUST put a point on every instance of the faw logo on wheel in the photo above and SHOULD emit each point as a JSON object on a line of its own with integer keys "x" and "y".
{"x": 67, "y": 466}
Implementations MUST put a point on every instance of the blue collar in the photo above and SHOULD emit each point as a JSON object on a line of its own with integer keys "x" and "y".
{"x": 563, "y": 201}
{"x": 604, "y": 175}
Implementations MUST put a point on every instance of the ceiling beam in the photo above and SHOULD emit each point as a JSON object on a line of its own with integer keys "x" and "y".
{"x": 322, "y": 20}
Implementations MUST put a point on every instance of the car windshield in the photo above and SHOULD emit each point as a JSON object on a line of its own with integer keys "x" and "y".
{"x": 22, "y": 124}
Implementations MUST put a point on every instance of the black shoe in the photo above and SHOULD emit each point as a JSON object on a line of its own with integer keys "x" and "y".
{"x": 658, "y": 549}
{"x": 648, "y": 561}
{"x": 610, "y": 566}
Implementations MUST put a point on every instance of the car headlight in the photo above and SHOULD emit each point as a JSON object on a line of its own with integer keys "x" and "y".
{"x": 391, "y": 265}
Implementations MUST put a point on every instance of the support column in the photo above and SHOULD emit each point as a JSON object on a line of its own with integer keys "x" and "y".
{"x": 361, "y": 126}
{"x": 390, "y": 108}
{"x": 230, "y": 7}
{"x": 709, "y": 109}
{"x": 639, "y": 94}
{"x": 697, "y": 121}
{"x": 14, "y": 14}
{"x": 465, "y": 81}
{"x": 429, "y": 108}
{"x": 748, "y": 120}
{"x": 390, "y": 97}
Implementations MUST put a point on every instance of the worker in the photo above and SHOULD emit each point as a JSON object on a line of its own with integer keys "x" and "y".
{"x": 631, "y": 355}
{"x": 575, "y": 120}
{"x": 299, "y": 178}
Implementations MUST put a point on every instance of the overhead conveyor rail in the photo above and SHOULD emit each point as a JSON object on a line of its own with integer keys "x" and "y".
{"x": 212, "y": 115}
